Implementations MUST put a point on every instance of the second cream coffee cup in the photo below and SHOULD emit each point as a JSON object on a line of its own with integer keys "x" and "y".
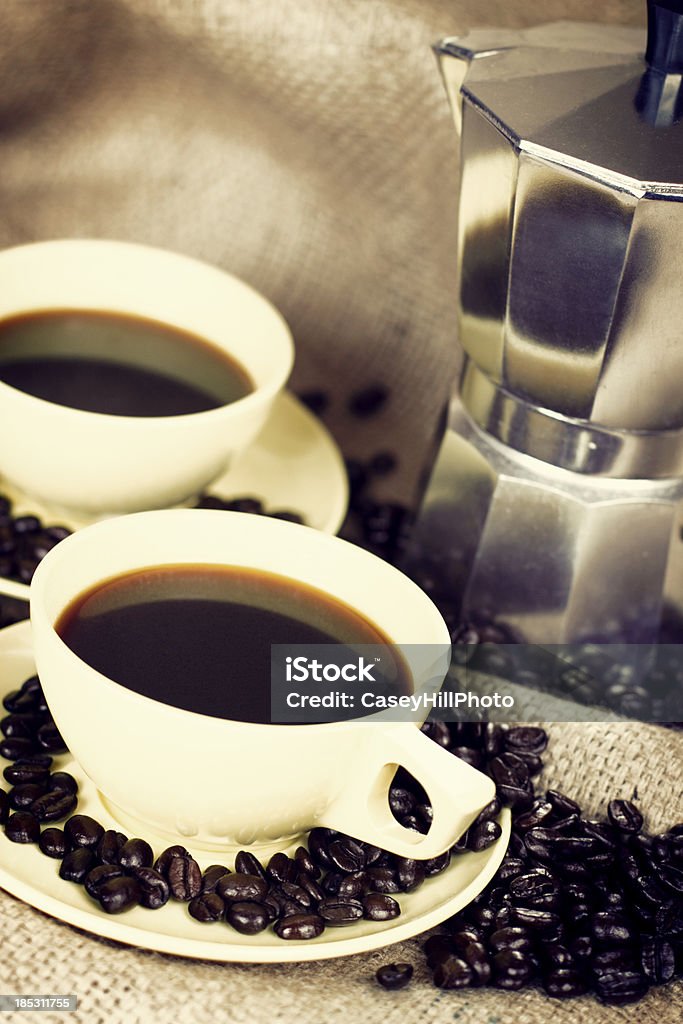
{"x": 91, "y": 463}
{"x": 218, "y": 783}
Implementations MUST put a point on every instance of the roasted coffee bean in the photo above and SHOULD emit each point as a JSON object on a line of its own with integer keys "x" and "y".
{"x": 539, "y": 813}
{"x": 378, "y": 907}
{"x": 509, "y": 770}
{"x": 26, "y": 524}
{"x": 657, "y": 960}
{"x": 346, "y": 854}
{"x": 22, "y": 827}
{"x": 287, "y": 516}
{"x": 250, "y": 505}
{"x": 300, "y": 926}
{"x": 410, "y": 873}
{"x": 544, "y": 922}
{"x": 185, "y": 878}
{"x": 208, "y": 906}
{"x": 625, "y": 816}
{"x": 331, "y": 882}
{"x": 618, "y": 988}
{"x": 562, "y": 805}
{"x": 510, "y": 868}
{"x": 383, "y": 880}
{"x": 533, "y": 762}
{"x": 394, "y": 976}
{"x": 278, "y": 868}
{"x": 335, "y": 911}
{"x": 492, "y": 810}
{"x": 564, "y": 983}
{"x": 100, "y": 874}
{"x": 54, "y": 805}
{"x": 248, "y": 917}
{"x": 50, "y": 739}
{"x": 82, "y": 830}
{"x": 582, "y": 948}
{"x": 531, "y": 890}
{"x": 110, "y": 846}
{"x": 21, "y": 797}
{"x": 4, "y": 807}
{"x": 247, "y": 864}
{"x": 556, "y": 957}
{"x": 512, "y": 937}
{"x": 76, "y": 864}
{"x": 353, "y": 885}
{"x": 436, "y": 865}
{"x": 297, "y": 894}
{"x": 309, "y": 885}
{"x": 318, "y": 840}
{"x": 412, "y": 821}
{"x": 612, "y": 928}
{"x": 213, "y": 874}
{"x": 163, "y": 862}
{"x": 136, "y": 853}
{"x": 480, "y": 837}
{"x": 16, "y": 747}
{"x": 672, "y": 878}
{"x": 317, "y": 401}
{"x": 241, "y": 888}
{"x": 516, "y": 847}
{"x": 553, "y": 846}
{"x": 608, "y": 960}
{"x": 271, "y": 905}
{"x": 526, "y": 737}
{"x": 20, "y": 725}
{"x": 453, "y": 973}
{"x": 512, "y": 969}
{"x": 382, "y": 463}
{"x": 119, "y": 894}
{"x": 34, "y": 769}
{"x": 154, "y": 889}
{"x": 62, "y": 781}
{"x": 368, "y": 401}
{"x": 305, "y": 863}
{"x": 483, "y": 917}
{"x": 474, "y": 955}
{"x": 516, "y": 797}
{"x": 53, "y": 843}
{"x": 462, "y": 938}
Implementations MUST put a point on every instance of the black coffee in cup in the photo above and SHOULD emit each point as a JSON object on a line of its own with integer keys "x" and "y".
{"x": 116, "y": 363}
{"x": 199, "y": 637}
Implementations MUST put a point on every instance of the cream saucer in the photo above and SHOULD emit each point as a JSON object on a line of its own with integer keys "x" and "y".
{"x": 293, "y": 464}
{"x": 29, "y": 875}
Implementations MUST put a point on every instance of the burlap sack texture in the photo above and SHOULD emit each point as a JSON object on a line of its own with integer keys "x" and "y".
{"x": 306, "y": 146}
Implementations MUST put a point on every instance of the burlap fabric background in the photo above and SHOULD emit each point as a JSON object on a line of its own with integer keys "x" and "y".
{"x": 306, "y": 146}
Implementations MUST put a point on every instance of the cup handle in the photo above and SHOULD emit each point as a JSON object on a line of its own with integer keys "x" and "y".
{"x": 456, "y": 790}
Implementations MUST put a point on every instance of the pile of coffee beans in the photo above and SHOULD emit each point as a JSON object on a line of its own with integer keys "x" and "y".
{"x": 24, "y": 541}
{"x": 578, "y": 904}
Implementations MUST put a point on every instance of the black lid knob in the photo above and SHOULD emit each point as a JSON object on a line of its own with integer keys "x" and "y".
{"x": 664, "y": 53}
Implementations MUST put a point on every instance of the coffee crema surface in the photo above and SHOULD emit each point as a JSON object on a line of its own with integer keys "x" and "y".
{"x": 116, "y": 363}
{"x": 198, "y": 637}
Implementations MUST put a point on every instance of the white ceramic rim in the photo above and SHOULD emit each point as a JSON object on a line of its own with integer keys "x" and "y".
{"x": 284, "y": 356}
{"x": 259, "y": 731}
